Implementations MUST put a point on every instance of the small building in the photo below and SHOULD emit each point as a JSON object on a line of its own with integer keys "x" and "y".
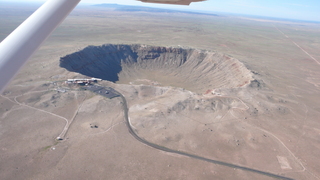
{"x": 82, "y": 81}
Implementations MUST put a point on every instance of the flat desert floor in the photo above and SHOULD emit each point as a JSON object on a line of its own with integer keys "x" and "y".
{"x": 266, "y": 129}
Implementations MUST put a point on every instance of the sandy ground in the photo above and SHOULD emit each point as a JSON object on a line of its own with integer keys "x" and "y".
{"x": 271, "y": 125}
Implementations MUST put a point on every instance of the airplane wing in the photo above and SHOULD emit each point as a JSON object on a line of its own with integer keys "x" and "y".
{"x": 19, "y": 46}
{"x": 178, "y": 2}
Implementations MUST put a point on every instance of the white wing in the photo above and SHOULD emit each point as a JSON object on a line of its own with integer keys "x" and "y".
{"x": 17, "y": 48}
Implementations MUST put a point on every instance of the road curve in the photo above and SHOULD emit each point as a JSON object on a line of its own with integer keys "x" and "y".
{"x": 165, "y": 149}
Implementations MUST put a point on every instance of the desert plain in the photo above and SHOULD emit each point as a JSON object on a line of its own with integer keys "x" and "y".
{"x": 224, "y": 96}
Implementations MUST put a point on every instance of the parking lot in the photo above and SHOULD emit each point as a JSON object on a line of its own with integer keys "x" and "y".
{"x": 104, "y": 91}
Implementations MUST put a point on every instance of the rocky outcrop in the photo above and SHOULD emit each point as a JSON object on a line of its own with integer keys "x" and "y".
{"x": 193, "y": 69}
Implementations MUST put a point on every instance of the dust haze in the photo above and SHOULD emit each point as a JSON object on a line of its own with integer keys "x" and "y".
{"x": 220, "y": 97}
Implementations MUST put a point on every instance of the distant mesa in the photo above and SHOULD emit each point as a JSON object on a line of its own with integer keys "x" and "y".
{"x": 192, "y": 69}
{"x": 128, "y": 8}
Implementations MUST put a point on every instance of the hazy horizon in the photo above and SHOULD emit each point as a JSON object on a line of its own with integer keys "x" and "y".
{"x": 286, "y": 9}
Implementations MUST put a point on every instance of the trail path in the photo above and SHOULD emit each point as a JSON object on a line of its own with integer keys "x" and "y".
{"x": 315, "y": 60}
{"x": 68, "y": 123}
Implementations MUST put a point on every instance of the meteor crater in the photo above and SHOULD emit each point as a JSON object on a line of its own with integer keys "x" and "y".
{"x": 192, "y": 69}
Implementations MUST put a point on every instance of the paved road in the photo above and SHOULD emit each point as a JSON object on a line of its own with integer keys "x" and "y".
{"x": 162, "y": 148}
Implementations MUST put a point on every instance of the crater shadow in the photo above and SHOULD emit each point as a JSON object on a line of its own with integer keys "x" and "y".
{"x": 102, "y": 62}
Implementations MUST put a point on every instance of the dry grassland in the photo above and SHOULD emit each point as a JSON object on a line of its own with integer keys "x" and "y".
{"x": 271, "y": 125}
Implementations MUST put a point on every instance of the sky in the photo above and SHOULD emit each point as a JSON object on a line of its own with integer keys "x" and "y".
{"x": 288, "y": 9}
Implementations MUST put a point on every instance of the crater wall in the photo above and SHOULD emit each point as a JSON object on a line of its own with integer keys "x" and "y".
{"x": 193, "y": 69}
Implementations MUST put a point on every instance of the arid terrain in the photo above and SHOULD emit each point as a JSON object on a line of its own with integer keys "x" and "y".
{"x": 210, "y": 97}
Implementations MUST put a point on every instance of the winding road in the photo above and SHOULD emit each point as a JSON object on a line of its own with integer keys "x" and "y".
{"x": 156, "y": 146}
{"x": 165, "y": 149}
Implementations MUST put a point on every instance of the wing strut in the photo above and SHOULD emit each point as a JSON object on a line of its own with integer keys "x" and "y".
{"x": 18, "y": 47}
